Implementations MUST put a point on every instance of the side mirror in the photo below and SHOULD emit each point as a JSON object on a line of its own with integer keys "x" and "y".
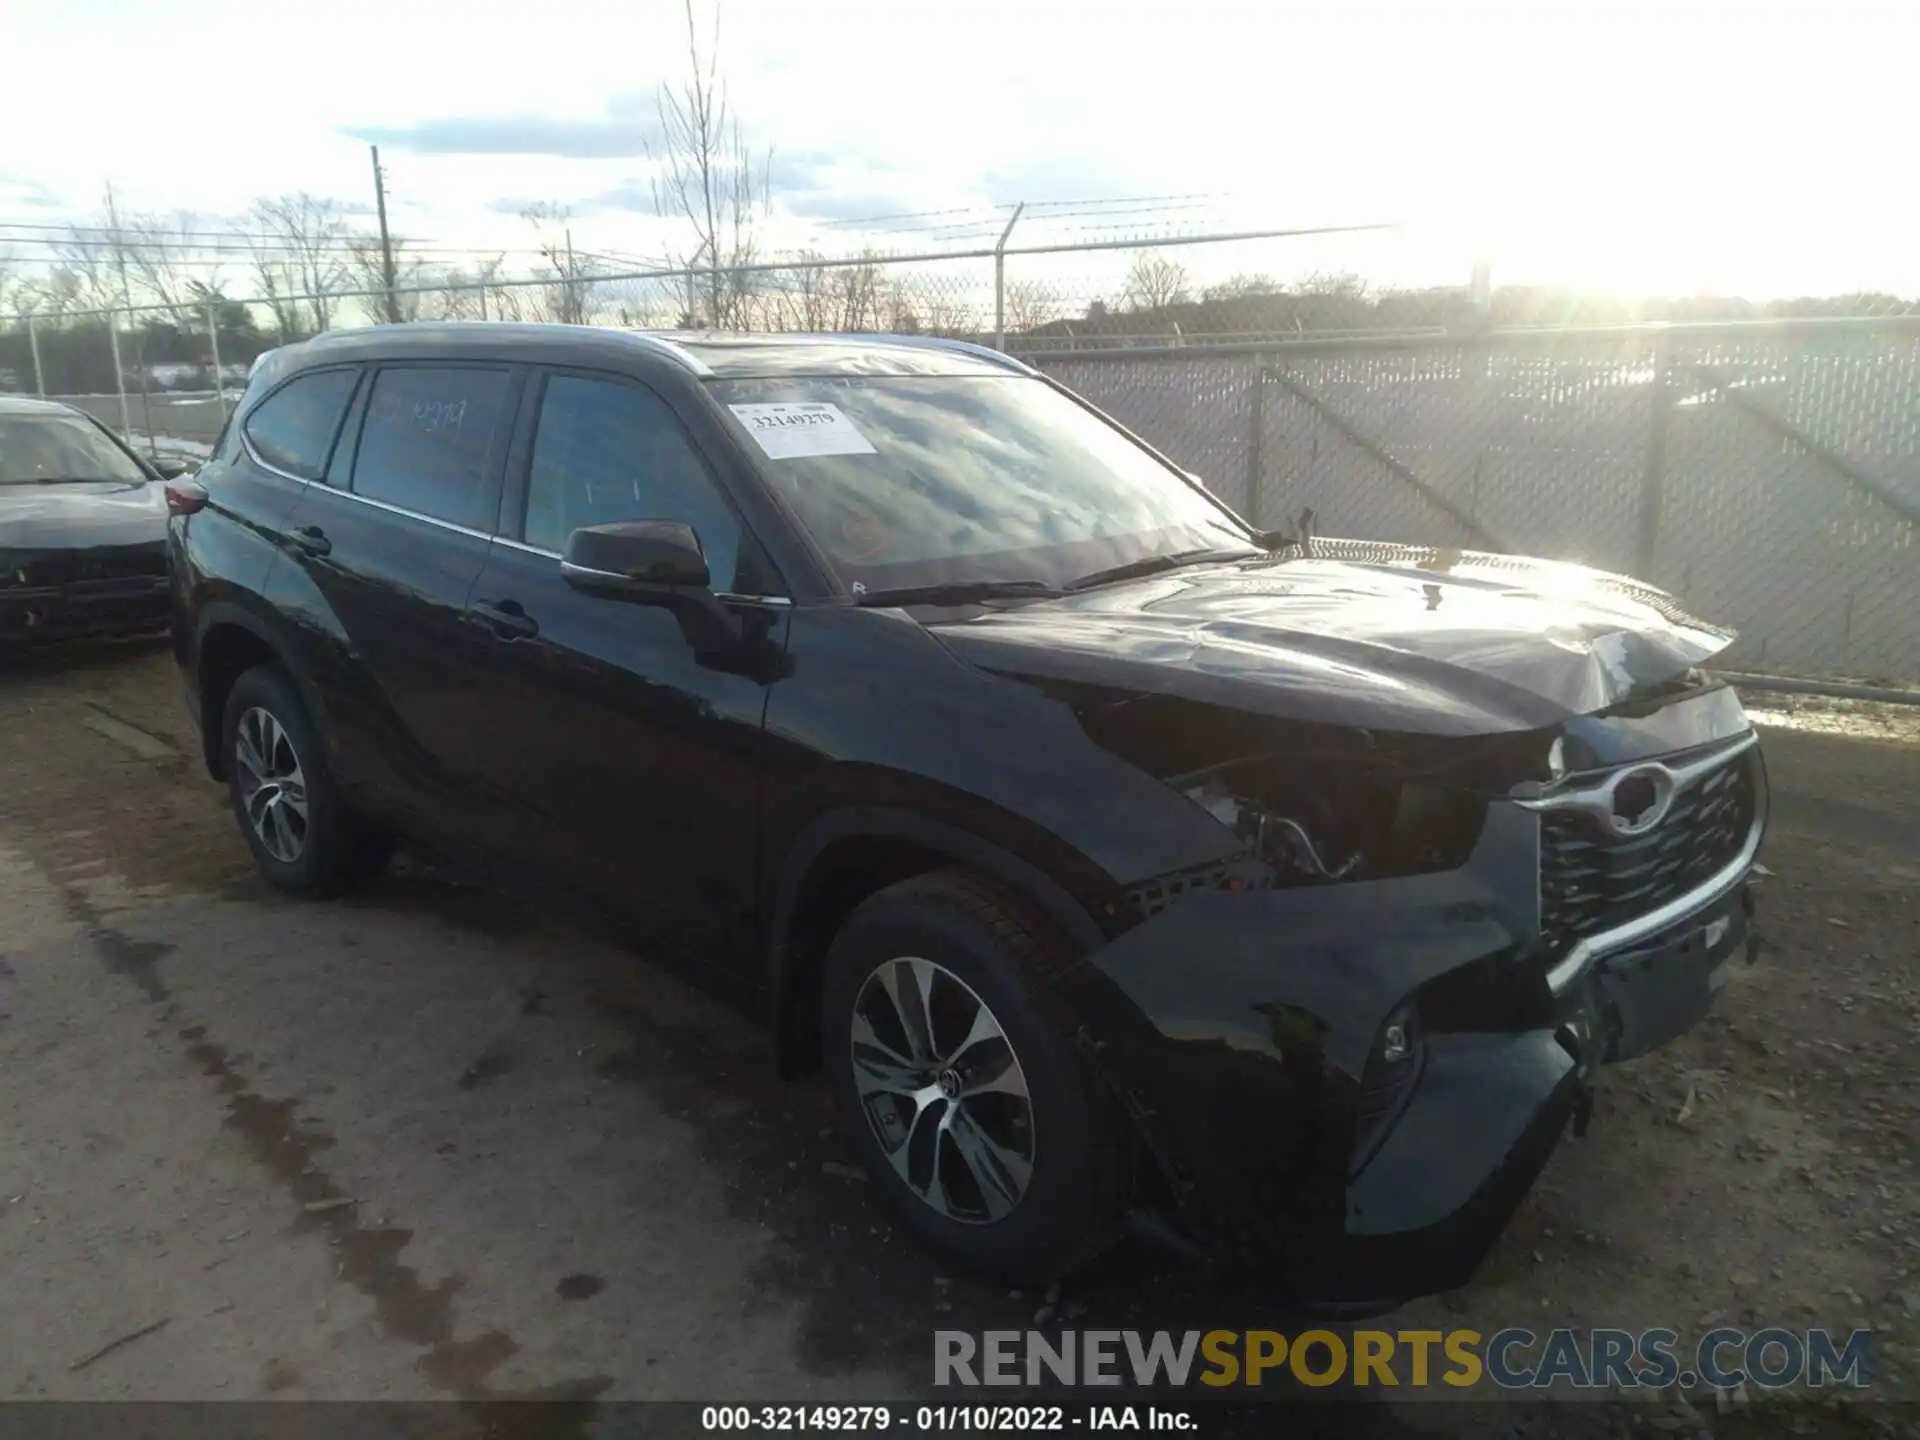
{"x": 634, "y": 557}
{"x": 175, "y": 468}
{"x": 654, "y": 562}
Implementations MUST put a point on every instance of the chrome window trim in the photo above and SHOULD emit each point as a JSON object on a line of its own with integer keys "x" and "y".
{"x": 1575, "y": 963}
{"x": 544, "y": 553}
{"x": 409, "y": 514}
{"x": 246, "y": 444}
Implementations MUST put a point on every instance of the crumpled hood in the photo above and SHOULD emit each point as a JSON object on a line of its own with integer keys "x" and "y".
{"x": 1392, "y": 637}
{"x": 81, "y": 515}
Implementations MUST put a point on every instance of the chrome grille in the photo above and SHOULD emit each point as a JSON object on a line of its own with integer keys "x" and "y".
{"x": 1592, "y": 880}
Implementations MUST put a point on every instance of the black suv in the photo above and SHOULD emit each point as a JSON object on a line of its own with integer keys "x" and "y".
{"x": 1122, "y": 865}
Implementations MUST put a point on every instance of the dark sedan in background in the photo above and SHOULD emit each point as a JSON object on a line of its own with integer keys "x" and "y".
{"x": 83, "y": 526}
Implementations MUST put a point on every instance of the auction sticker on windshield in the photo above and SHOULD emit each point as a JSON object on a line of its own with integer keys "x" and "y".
{"x": 794, "y": 431}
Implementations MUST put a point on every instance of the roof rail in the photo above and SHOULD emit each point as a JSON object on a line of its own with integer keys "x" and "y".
{"x": 939, "y": 342}
{"x": 672, "y": 349}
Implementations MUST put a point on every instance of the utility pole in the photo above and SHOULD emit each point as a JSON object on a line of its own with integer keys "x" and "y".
{"x": 386, "y": 240}
{"x": 576, "y": 312}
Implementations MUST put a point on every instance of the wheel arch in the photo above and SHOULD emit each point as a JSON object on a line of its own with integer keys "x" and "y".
{"x": 848, "y": 854}
{"x": 233, "y": 638}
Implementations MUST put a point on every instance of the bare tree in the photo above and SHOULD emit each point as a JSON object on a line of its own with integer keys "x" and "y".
{"x": 300, "y": 257}
{"x": 859, "y": 296}
{"x": 1029, "y": 306}
{"x": 1243, "y": 287}
{"x": 12, "y": 289}
{"x": 58, "y": 291}
{"x": 942, "y": 315}
{"x": 708, "y": 178}
{"x": 368, "y": 271}
{"x": 798, "y": 298}
{"x": 572, "y": 295}
{"x": 477, "y": 294}
{"x": 1333, "y": 282}
{"x": 1154, "y": 282}
{"x": 91, "y": 266}
{"x": 161, "y": 261}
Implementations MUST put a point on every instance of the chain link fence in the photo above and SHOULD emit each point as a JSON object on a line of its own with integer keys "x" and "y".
{"x": 1761, "y": 462}
{"x": 1767, "y": 475}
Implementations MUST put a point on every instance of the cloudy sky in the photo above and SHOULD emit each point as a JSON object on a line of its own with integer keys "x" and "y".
{"x": 1756, "y": 148}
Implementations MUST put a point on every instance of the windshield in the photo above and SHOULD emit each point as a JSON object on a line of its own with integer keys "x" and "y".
{"x": 44, "y": 449}
{"x": 918, "y": 480}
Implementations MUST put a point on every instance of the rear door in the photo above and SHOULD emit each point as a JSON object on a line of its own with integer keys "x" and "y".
{"x": 628, "y": 764}
{"x": 393, "y": 539}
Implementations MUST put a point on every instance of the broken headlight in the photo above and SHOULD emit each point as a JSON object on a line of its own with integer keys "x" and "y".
{"x": 1323, "y": 828}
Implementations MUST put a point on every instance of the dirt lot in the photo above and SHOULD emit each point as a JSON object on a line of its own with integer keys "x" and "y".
{"x": 428, "y": 1142}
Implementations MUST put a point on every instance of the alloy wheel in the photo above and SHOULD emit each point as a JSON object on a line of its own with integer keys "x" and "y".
{"x": 942, "y": 1090}
{"x": 273, "y": 788}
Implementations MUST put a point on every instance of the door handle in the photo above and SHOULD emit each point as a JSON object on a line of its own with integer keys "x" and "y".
{"x": 506, "y": 619}
{"x": 312, "y": 539}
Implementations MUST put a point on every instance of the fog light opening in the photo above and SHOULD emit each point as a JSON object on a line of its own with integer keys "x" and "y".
{"x": 1394, "y": 1044}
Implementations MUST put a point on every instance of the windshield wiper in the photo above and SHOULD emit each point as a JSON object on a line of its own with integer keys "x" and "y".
{"x": 958, "y": 592}
{"x": 1155, "y": 564}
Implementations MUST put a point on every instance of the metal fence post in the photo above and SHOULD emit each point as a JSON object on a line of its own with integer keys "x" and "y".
{"x": 1257, "y": 416}
{"x": 219, "y": 375}
{"x": 119, "y": 375}
{"x": 1653, "y": 479}
{"x": 39, "y": 375}
{"x": 1000, "y": 280}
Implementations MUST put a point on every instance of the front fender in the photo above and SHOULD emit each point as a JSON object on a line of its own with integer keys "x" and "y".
{"x": 946, "y": 827}
{"x": 1074, "y": 914}
{"x": 1239, "y": 1026}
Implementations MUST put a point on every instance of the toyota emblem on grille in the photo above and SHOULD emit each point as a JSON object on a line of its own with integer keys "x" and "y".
{"x": 1638, "y": 799}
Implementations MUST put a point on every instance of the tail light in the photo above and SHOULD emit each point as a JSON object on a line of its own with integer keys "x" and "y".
{"x": 185, "y": 497}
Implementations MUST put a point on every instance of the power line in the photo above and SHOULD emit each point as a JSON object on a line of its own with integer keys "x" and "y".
{"x": 347, "y": 245}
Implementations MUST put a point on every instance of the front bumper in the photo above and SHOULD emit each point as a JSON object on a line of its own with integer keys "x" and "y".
{"x": 83, "y": 609}
{"x": 1239, "y": 1027}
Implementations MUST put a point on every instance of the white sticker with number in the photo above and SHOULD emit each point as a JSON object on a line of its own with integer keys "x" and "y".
{"x": 792, "y": 432}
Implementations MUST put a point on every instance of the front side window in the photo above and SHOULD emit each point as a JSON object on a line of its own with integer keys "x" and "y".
{"x": 427, "y": 441}
{"x": 605, "y": 452}
{"x": 943, "y": 479}
{"x": 292, "y": 429}
{"x": 51, "y": 449}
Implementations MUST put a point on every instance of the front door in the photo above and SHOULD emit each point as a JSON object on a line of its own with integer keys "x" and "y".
{"x": 394, "y": 540}
{"x": 632, "y": 767}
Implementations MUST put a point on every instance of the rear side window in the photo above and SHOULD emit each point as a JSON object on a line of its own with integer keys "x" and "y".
{"x": 293, "y": 428}
{"x": 427, "y": 441}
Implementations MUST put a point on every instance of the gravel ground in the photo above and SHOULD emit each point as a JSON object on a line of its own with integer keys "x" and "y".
{"x": 431, "y": 1143}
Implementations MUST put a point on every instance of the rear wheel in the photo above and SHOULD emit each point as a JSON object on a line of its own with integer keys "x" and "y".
{"x": 302, "y": 836}
{"x": 956, "y": 1081}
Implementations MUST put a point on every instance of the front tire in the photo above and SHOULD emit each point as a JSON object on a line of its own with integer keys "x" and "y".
{"x": 956, "y": 1081}
{"x": 302, "y": 836}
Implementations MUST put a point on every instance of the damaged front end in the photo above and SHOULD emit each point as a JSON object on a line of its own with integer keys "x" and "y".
{"x": 1352, "y": 1045}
